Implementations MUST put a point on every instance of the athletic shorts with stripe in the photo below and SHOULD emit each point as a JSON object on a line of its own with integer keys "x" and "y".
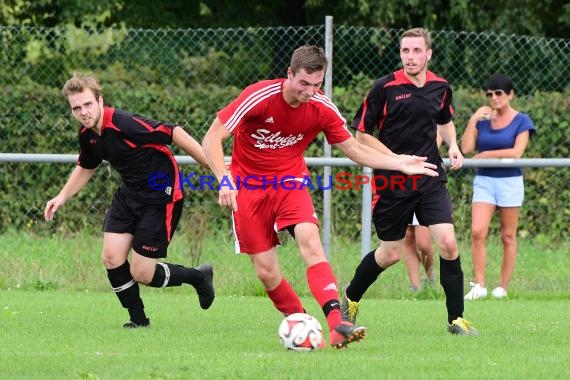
{"x": 152, "y": 225}
{"x": 392, "y": 215}
{"x": 263, "y": 212}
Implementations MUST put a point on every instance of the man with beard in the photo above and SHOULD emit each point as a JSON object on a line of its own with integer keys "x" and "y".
{"x": 142, "y": 218}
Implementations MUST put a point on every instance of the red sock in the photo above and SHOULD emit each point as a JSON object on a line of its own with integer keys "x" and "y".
{"x": 322, "y": 283}
{"x": 285, "y": 299}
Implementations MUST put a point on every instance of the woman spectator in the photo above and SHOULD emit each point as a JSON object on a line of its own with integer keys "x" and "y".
{"x": 496, "y": 131}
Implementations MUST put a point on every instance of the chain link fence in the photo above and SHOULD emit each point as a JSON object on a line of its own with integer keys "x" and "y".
{"x": 185, "y": 75}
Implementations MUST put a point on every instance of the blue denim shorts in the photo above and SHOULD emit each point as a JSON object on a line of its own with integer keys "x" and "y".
{"x": 499, "y": 191}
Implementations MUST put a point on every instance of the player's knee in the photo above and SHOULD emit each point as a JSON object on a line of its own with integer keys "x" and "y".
{"x": 269, "y": 278}
{"x": 312, "y": 251}
{"x": 448, "y": 247}
{"x": 389, "y": 256}
{"x": 110, "y": 260}
{"x": 141, "y": 273}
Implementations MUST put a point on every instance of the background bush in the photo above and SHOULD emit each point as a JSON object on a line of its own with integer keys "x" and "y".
{"x": 25, "y": 187}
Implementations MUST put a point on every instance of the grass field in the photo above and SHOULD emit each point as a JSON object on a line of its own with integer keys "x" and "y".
{"x": 66, "y": 335}
{"x": 59, "y": 320}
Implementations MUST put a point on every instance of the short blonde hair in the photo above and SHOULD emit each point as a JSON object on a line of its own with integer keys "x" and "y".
{"x": 81, "y": 82}
{"x": 418, "y": 32}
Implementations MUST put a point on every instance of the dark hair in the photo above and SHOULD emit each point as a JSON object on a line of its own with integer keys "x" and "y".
{"x": 499, "y": 82}
{"x": 309, "y": 57}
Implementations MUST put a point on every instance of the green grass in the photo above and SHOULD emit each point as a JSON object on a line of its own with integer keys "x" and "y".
{"x": 59, "y": 320}
{"x": 72, "y": 334}
{"x": 73, "y": 263}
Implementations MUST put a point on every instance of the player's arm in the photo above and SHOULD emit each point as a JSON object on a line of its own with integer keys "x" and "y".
{"x": 77, "y": 180}
{"x": 213, "y": 149}
{"x": 373, "y": 142}
{"x": 448, "y": 134}
{"x": 367, "y": 156}
{"x": 438, "y": 139}
{"x": 187, "y": 143}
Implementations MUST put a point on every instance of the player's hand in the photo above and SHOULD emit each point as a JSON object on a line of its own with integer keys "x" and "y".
{"x": 455, "y": 157}
{"x": 417, "y": 165}
{"x": 52, "y": 206}
{"x": 227, "y": 196}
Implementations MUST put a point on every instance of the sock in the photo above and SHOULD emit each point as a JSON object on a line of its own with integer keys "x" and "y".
{"x": 451, "y": 278}
{"x": 322, "y": 283}
{"x": 285, "y": 298}
{"x": 166, "y": 274}
{"x": 127, "y": 290}
{"x": 366, "y": 273}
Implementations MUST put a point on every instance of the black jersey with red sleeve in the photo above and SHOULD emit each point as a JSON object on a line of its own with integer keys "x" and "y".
{"x": 404, "y": 117}
{"x": 136, "y": 147}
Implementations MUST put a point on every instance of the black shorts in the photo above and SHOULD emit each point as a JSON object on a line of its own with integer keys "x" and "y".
{"x": 392, "y": 214}
{"x": 152, "y": 226}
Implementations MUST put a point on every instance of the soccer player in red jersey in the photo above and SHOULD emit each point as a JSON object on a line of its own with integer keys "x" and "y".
{"x": 272, "y": 123}
{"x": 141, "y": 218}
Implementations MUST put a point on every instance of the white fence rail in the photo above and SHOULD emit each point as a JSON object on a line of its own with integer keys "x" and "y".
{"x": 366, "y": 210}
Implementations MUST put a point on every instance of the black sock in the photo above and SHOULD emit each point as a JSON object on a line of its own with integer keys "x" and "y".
{"x": 167, "y": 274}
{"x": 127, "y": 290}
{"x": 451, "y": 278}
{"x": 366, "y": 273}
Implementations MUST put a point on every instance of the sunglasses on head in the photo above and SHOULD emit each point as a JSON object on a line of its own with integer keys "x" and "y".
{"x": 495, "y": 92}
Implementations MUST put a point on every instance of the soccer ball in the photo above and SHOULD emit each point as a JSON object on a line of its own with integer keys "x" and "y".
{"x": 300, "y": 332}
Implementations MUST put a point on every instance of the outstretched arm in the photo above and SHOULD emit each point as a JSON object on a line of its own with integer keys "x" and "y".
{"x": 77, "y": 180}
{"x": 367, "y": 156}
{"x": 182, "y": 139}
{"x": 373, "y": 142}
{"x": 213, "y": 149}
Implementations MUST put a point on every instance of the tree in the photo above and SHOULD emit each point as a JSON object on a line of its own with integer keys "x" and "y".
{"x": 549, "y": 18}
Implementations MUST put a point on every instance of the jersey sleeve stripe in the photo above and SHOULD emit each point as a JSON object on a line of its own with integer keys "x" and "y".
{"x": 329, "y": 104}
{"x": 250, "y": 102}
{"x": 160, "y": 128}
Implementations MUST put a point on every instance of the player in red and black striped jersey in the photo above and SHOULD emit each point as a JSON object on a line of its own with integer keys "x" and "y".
{"x": 402, "y": 114}
{"x": 142, "y": 216}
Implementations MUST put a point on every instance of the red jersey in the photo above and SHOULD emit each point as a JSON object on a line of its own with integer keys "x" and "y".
{"x": 270, "y": 136}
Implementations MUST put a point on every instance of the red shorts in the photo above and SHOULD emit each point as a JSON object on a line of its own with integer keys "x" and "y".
{"x": 263, "y": 212}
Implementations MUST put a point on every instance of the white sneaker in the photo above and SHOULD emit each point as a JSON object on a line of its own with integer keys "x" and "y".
{"x": 476, "y": 292}
{"x": 499, "y": 292}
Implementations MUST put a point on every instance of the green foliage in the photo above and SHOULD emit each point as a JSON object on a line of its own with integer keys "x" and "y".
{"x": 193, "y": 108}
{"x": 549, "y": 18}
{"x": 529, "y": 17}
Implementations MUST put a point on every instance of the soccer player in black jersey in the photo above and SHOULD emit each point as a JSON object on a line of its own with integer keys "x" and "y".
{"x": 141, "y": 219}
{"x": 405, "y": 109}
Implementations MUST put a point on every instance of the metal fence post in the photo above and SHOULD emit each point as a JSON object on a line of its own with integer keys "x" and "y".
{"x": 366, "y": 219}
{"x": 326, "y": 232}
